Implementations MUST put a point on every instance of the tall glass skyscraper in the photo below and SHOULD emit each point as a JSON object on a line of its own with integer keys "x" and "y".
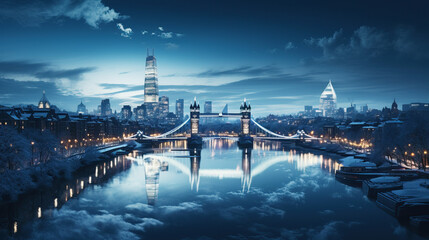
{"x": 328, "y": 101}
{"x": 151, "y": 91}
{"x": 179, "y": 109}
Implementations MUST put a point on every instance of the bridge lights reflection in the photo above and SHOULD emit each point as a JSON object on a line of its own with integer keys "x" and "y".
{"x": 39, "y": 212}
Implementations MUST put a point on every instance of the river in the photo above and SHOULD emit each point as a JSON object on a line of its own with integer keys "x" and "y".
{"x": 219, "y": 192}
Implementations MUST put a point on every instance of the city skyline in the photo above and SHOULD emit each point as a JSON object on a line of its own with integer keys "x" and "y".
{"x": 279, "y": 62}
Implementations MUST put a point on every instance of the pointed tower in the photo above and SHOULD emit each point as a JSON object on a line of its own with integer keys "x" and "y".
{"x": 328, "y": 101}
{"x": 195, "y": 117}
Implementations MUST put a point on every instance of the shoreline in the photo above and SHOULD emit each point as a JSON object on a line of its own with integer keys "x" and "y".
{"x": 44, "y": 176}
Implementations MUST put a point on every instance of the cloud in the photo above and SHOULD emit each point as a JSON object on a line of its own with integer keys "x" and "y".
{"x": 239, "y": 71}
{"x": 161, "y": 29}
{"x": 72, "y": 74}
{"x": 171, "y": 45}
{"x": 33, "y": 13}
{"x": 289, "y": 46}
{"x": 368, "y": 43}
{"x": 182, "y": 207}
{"x": 140, "y": 207}
{"x": 144, "y": 32}
{"x": 72, "y": 224}
{"x": 150, "y": 222}
{"x": 166, "y": 35}
{"x": 267, "y": 211}
{"x": 331, "y": 230}
{"x": 214, "y": 198}
{"x": 42, "y": 70}
{"x": 326, "y": 212}
{"x": 125, "y": 32}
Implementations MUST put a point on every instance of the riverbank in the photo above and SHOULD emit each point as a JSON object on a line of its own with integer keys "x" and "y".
{"x": 17, "y": 182}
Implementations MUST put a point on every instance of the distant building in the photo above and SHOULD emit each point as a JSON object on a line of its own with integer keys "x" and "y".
{"x": 308, "y": 109}
{"x": 179, "y": 109}
{"x": 365, "y": 108}
{"x": 351, "y": 111}
{"x": 164, "y": 106}
{"x": 328, "y": 101}
{"x": 208, "y": 107}
{"x": 415, "y": 107}
{"x": 340, "y": 113}
{"x": 140, "y": 112}
{"x": 105, "y": 107}
{"x": 126, "y": 112}
{"x": 394, "y": 110}
{"x": 225, "y": 109}
{"x": 81, "y": 109}
{"x": 44, "y": 103}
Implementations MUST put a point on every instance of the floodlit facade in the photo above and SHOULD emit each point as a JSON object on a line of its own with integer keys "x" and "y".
{"x": 44, "y": 103}
{"x": 208, "y": 107}
{"x": 180, "y": 108}
{"x": 151, "y": 92}
{"x": 164, "y": 106}
{"x": 328, "y": 101}
{"x": 81, "y": 108}
{"x": 105, "y": 107}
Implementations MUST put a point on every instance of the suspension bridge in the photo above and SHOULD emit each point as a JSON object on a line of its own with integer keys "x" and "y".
{"x": 244, "y": 138}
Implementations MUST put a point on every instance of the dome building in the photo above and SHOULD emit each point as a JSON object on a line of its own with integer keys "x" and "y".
{"x": 44, "y": 102}
{"x": 81, "y": 108}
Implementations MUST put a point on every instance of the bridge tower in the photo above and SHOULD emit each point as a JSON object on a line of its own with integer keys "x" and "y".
{"x": 245, "y": 139}
{"x": 195, "y": 141}
{"x": 245, "y": 118}
{"x": 195, "y": 118}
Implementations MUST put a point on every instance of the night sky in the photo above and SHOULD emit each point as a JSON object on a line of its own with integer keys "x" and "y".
{"x": 278, "y": 54}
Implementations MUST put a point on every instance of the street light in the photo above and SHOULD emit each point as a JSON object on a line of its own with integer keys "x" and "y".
{"x": 32, "y": 153}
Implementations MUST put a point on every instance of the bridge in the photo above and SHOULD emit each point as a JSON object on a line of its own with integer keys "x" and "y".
{"x": 244, "y": 138}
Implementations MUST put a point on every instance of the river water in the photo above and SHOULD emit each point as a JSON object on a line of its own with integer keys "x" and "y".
{"x": 219, "y": 192}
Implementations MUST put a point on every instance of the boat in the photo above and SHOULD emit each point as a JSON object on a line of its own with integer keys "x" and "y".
{"x": 381, "y": 184}
{"x": 404, "y": 203}
{"x": 355, "y": 171}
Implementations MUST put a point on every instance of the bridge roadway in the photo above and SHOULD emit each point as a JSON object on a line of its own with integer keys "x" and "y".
{"x": 214, "y": 137}
{"x": 222, "y": 115}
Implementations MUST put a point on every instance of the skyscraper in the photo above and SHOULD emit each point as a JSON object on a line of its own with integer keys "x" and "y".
{"x": 164, "y": 107}
{"x": 151, "y": 91}
{"x": 126, "y": 112}
{"x": 328, "y": 101}
{"x": 208, "y": 107}
{"x": 151, "y": 80}
{"x": 225, "y": 109}
{"x": 105, "y": 107}
{"x": 179, "y": 109}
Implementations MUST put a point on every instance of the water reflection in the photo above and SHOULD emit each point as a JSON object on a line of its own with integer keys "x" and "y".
{"x": 268, "y": 154}
{"x": 41, "y": 203}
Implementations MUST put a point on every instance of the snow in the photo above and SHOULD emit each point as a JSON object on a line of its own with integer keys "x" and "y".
{"x": 353, "y": 162}
{"x": 386, "y": 180}
{"x": 14, "y": 183}
{"x": 412, "y": 193}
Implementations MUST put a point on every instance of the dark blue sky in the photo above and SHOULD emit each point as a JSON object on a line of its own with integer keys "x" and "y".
{"x": 278, "y": 54}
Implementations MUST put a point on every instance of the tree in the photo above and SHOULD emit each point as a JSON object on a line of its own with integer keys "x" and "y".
{"x": 46, "y": 145}
{"x": 15, "y": 149}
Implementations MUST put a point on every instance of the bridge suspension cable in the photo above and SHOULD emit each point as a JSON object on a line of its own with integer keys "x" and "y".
{"x": 299, "y": 134}
{"x": 140, "y": 133}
